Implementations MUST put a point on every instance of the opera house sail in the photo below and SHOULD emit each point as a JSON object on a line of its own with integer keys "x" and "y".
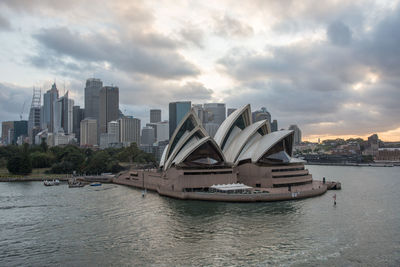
{"x": 244, "y": 161}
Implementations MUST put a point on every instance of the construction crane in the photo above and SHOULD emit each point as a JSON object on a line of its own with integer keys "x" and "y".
{"x": 22, "y": 111}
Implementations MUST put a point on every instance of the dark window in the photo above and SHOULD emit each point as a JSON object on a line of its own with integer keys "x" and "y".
{"x": 258, "y": 185}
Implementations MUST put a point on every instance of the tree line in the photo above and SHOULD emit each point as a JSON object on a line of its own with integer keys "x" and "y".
{"x": 69, "y": 159}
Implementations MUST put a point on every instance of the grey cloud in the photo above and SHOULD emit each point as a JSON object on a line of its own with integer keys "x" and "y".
{"x": 124, "y": 54}
{"x": 193, "y": 36}
{"x": 4, "y": 24}
{"x": 339, "y": 33}
{"x": 312, "y": 83}
{"x": 12, "y": 99}
{"x": 228, "y": 26}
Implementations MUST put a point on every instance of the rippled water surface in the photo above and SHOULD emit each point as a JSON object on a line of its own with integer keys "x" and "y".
{"x": 114, "y": 225}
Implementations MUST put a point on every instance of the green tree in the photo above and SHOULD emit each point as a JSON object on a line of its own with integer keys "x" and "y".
{"x": 98, "y": 164}
{"x": 44, "y": 145}
{"x": 19, "y": 164}
{"x": 41, "y": 160}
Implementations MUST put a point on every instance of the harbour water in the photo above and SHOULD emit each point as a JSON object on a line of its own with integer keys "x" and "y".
{"x": 115, "y": 225}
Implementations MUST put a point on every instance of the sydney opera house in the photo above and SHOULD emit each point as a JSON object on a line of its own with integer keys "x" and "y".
{"x": 244, "y": 162}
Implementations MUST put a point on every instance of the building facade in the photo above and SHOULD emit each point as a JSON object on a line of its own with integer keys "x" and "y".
{"x": 297, "y": 133}
{"x": 129, "y": 130}
{"x": 155, "y": 115}
{"x": 177, "y": 110}
{"x": 63, "y": 115}
{"x": 109, "y": 106}
{"x": 214, "y": 113}
{"x": 88, "y": 132}
{"x": 92, "y": 95}
{"x": 6, "y": 126}
{"x": 49, "y": 99}
{"x": 148, "y": 136}
{"x": 78, "y": 116}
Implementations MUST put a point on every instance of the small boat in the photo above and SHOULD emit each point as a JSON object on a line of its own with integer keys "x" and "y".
{"x": 48, "y": 183}
{"x": 95, "y": 184}
{"x": 73, "y": 183}
{"x": 56, "y": 182}
{"x": 76, "y": 185}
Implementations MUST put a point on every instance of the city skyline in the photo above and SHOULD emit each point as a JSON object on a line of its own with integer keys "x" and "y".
{"x": 333, "y": 71}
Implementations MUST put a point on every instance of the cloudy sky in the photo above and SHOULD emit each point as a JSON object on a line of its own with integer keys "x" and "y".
{"x": 331, "y": 67}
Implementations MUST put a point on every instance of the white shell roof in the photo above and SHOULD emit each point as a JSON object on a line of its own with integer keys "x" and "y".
{"x": 163, "y": 156}
{"x": 259, "y": 148}
{"x": 197, "y": 122}
{"x": 235, "y": 147}
{"x": 223, "y": 130}
{"x": 189, "y": 148}
{"x": 186, "y": 137}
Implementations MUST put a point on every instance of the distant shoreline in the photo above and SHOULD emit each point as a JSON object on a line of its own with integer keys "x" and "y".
{"x": 32, "y": 179}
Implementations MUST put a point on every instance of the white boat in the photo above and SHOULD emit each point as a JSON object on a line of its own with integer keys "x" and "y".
{"x": 48, "y": 183}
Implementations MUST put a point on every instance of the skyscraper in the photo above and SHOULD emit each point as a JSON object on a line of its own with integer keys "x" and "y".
{"x": 177, "y": 110}
{"x": 155, "y": 115}
{"x": 92, "y": 95}
{"x": 63, "y": 115}
{"x": 129, "y": 130}
{"x": 20, "y": 130}
{"x": 48, "y": 108}
{"x": 148, "y": 136}
{"x": 34, "y": 124}
{"x": 297, "y": 133}
{"x": 88, "y": 132}
{"x": 109, "y": 106}
{"x": 215, "y": 113}
{"x": 78, "y": 116}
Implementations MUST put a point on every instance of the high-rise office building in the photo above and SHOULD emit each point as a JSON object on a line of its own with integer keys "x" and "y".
{"x": 19, "y": 131}
{"x": 199, "y": 110}
{"x": 78, "y": 116}
{"x": 5, "y": 127}
{"x": 34, "y": 123}
{"x": 129, "y": 130}
{"x": 155, "y": 115}
{"x": 162, "y": 131}
{"x": 148, "y": 136}
{"x": 215, "y": 113}
{"x": 63, "y": 115}
{"x": 177, "y": 110}
{"x": 297, "y": 133}
{"x": 111, "y": 138}
{"x": 92, "y": 95}
{"x": 109, "y": 106}
{"x": 48, "y": 108}
{"x": 88, "y": 132}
